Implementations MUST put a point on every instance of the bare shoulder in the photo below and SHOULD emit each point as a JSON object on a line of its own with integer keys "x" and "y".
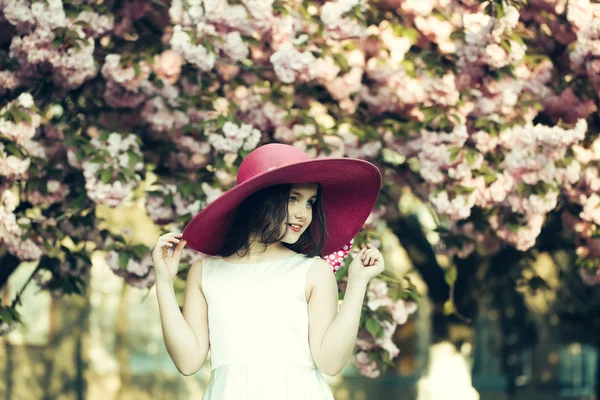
{"x": 320, "y": 269}
{"x": 320, "y": 272}
{"x": 195, "y": 273}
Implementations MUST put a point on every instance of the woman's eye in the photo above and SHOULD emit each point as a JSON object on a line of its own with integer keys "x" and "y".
{"x": 310, "y": 203}
{"x": 291, "y": 199}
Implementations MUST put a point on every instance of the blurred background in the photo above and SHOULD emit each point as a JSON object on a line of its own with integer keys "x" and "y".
{"x": 107, "y": 344}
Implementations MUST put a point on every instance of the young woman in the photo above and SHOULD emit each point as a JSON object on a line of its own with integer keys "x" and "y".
{"x": 263, "y": 300}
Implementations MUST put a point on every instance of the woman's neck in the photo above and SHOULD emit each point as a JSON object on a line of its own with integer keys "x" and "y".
{"x": 257, "y": 252}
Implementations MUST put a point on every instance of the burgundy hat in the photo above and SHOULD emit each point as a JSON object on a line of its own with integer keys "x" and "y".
{"x": 349, "y": 190}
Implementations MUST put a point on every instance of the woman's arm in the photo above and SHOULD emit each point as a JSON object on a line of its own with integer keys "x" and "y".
{"x": 185, "y": 335}
{"x": 332, "y": 334}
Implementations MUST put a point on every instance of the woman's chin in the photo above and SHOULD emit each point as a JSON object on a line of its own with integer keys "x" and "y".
{"x": 290, "y": 239}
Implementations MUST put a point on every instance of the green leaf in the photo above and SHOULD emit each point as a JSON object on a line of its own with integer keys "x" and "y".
{"x": 451, "y": 275}
{"x": 513, "y": 227}
{"x": 139, "y": 251}
{"x": 105, "y": 176}
{"x": 15, "y": 115}
{"x": 374, "y": 328}
{"x": 98, "y": 159}
{"x": 119, "y": 238}
{"x": 221, "y": 121}
{"x": 448, "y": 307}
{"x": 137, "y": 69}
{"x": 454, "y": 153}
{"x": 134, "y": 158}
{"x": 458, "y": 35}
{"x": 5, "y": 315}
{"x": 458, "y": 189}
{"x": 470, "y": 156}
{"x": 123, "y": 260}
{"x": 12, "y": 148}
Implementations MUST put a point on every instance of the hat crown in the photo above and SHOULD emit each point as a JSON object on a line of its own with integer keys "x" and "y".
{"x": 268, "y": 157}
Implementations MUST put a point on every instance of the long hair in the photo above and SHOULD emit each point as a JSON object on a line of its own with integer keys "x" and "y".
{"x": 262, "y": 215}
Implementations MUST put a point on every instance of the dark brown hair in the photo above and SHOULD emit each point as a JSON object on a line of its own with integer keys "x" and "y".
{"x": 263, "y": 213}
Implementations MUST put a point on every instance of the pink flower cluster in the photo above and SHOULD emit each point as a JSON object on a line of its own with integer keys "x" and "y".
{"x": 137, "y": 273}
{"x": 235, "y": 138}
{"x": 54, "y": 192}
{"x": 584, "y": 17}
{"x": 123, "y": 82}
{"x": 21, "y": 133}
{"x": 72, "y": 61}
{"x": 166, "y": 203}
{"x": 379, "y": 299}
{"x": 338, "y": 23}
{"x": 485, "y": 37}
{"x": 13, "y": 230}
{"x": 524, "y": 184}
{"x": 106, "y": 182}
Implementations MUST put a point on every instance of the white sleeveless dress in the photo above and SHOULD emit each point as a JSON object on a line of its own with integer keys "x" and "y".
{"x": 258, "y": 324}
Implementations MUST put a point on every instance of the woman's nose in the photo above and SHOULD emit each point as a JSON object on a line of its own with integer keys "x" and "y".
{"x": 300, "y": 213}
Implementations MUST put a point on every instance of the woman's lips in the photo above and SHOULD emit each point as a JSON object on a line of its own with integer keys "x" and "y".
{"x": 295, "y": 228}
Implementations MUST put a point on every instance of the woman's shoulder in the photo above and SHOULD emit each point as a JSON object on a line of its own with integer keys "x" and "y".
{"x": 318, "y": 268}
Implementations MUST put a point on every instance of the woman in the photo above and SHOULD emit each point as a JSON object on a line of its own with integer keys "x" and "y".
{"x": 264, "y": 301}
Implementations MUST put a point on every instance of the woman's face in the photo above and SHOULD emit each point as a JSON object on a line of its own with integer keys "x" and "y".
{"x": 300, "y": 210}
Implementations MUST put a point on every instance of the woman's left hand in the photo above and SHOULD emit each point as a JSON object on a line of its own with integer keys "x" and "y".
{"x": 366, "y": 265}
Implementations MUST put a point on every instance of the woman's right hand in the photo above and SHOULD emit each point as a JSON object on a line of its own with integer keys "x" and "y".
{"x": 165, "y": 266}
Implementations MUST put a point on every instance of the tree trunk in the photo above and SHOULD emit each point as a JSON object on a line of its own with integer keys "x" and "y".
{"x": 8, "y": 368}
{"x": 121, "y": 343}
{"x": 8, "y": 264}
{"x": 597, "y": 383}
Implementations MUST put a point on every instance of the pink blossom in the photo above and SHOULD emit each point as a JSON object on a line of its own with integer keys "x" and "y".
{"x": 194, "y": 54}
{"x": 137, "y": 273}
{"x": 234, "y": 47}
{"x": 167, "y": 66}
{"x": 365, "y": 366}
{"x": 97, "y": 24}
{"x": 385, "y": 342}
{"x": 459, "y": 207}
{"x": 161, "y": 118}
{"x": 235, "y": 138}
{"x": 337, "y": 25}
{"x": 346, "y": 85}
{"x": 8, "y": 81}
{"x": 401, "y": 311}
{"x": 437, "y": 31}
{"x": 291, "y": 65}
{"x": 127, "y": 77}
{"x": 524, "y": 235}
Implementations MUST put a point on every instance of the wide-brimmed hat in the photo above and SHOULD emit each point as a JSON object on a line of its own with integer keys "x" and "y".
{"x": 349, "y": 190}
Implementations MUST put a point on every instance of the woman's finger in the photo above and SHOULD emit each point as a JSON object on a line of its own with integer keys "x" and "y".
{"x": 172, "y": 240}
{"x": 179, "y": 249}
{"x": 361, "y": 253}
{"x": 164, "y": 243}
{"x": 370, "y": 253}
{"x": 172, "y": 234}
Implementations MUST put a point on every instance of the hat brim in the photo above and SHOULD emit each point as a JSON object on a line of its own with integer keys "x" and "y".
{"x": 349, "y": 190}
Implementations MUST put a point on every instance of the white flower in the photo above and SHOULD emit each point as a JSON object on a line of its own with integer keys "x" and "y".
{"x": 52, "y": 185}
{"x": 25, "y": 100}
